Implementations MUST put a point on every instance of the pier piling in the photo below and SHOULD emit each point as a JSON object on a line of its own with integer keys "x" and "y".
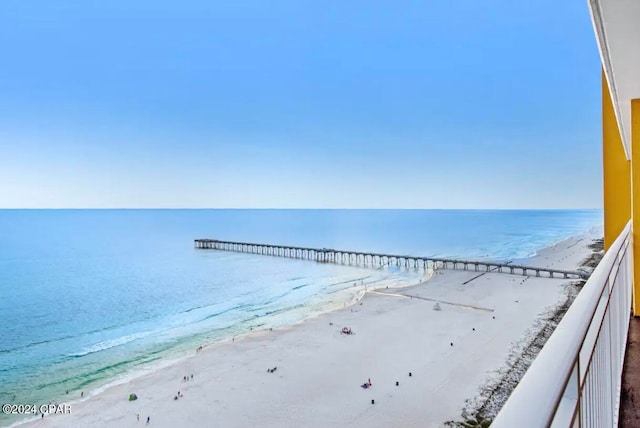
{"x": 368, "y": 259}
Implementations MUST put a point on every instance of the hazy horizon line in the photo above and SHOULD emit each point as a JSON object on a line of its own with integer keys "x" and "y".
{"x": 290, "y": 209}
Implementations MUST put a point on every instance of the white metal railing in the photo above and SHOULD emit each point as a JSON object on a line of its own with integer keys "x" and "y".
{"x": 575, "y": 381}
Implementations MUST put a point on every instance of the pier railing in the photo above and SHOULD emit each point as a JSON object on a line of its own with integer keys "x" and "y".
{"x": 330, "y": 255}
{"x": 576, "y": 379}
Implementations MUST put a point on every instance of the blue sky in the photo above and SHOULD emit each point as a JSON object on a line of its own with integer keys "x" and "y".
{"x": 294, "y": 103}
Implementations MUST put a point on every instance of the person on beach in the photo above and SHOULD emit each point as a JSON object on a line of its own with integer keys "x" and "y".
{"x": 148, "y": 419}
{"x": 137, "y": 417}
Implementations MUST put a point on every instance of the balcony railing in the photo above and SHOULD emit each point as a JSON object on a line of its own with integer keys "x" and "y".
{"x": 575, "y": 381}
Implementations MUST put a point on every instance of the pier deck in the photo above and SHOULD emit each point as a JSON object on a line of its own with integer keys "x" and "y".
{"x": 367, "y": 259}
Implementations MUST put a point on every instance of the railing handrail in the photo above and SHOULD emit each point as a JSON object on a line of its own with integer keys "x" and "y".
{"x": 536, "y": 399}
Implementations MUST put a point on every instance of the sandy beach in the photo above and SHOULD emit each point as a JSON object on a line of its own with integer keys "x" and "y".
{"x": 440, "y": 341}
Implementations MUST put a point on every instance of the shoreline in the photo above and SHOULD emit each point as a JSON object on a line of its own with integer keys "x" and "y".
{"x": 483, "y": 408}
{"x": 250, "y": 338}
{"x": 314, "y": 309}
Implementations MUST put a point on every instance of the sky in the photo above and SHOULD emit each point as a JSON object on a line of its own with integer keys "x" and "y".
{"x": 299, "y": 104}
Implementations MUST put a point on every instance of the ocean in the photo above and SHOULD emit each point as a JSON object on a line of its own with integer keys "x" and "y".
{"x": 91, "y": 297}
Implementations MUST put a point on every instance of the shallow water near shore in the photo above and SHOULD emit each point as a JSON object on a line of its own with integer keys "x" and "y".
{"x": 90, "y": 295}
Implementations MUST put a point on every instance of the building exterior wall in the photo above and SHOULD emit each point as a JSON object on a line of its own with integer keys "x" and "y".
{"x": 617, "y": 179}
{"x": 635, "y": 199}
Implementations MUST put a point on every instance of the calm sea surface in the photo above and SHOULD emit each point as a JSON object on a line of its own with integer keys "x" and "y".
{"x": 90, "y": 296}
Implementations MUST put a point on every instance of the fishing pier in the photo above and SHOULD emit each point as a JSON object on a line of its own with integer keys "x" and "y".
{"x": 366, "y": 259}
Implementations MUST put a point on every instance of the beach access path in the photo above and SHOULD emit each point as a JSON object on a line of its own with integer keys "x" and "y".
{"x": 450, "y": 333}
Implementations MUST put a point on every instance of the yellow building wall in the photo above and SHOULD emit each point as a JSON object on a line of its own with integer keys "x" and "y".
{"x": 617, "y": 180}
{"x": 635, "y": 198}
{"x": 617, "y": 173}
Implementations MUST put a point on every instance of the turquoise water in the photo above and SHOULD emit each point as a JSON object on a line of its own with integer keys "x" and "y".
{"x": 87, "y": 296}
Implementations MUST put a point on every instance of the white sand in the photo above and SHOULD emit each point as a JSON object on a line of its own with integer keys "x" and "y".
{"x": 319, "y": 371}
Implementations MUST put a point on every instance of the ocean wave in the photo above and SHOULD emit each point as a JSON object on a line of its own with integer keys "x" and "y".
{"x": 85, "y": 379}
{"x": 195, "y": 308}
{"x": 66, "y": 337}
{"x": 132, "y": 337}
{"x": 44, "y": 342}
{"x": 103, "y": 372}
{"x": 112, "y": 343}
{"x": 281, "y": 310}
{"x": 271, "y": 300}
{"x": 354, "y": 280}
{"x": 244, "y": 305}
